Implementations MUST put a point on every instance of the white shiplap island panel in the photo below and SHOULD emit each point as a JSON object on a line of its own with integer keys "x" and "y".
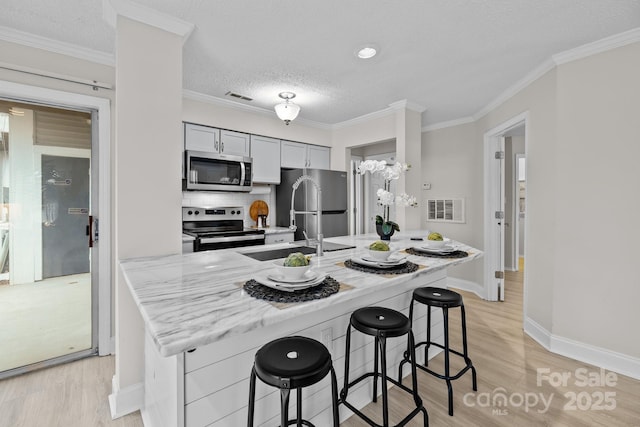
{"x": 202, "y": 329}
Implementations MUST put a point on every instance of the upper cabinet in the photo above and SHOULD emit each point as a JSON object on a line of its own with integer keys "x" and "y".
{"x": 266, "y": 159}
{"x": 212, "y": 140}
{"x": 201, "y": 138}
{"x": 237, "y": 143}
{"x": 299, "y": 155}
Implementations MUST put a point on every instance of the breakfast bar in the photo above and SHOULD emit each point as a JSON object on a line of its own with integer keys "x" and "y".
{"x": 203, "y": 328}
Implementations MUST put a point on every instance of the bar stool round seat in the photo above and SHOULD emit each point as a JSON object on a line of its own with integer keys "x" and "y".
{"x": 292, "y": 363}
{"x": 437, "y": 297}
{"x": 444, "y": 299}
{"x": 381, "y": 323}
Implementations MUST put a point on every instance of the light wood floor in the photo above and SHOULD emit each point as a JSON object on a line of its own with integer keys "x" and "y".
{"x": 70, "y": 395}
{"x": 507, "y": 361}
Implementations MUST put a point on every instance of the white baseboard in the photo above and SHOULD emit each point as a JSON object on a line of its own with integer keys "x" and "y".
{"x": 587, "y": 353}
{"x": 466, "y": 285}
{"x": 127, "y": 400}
{"x": 537, "y": 332}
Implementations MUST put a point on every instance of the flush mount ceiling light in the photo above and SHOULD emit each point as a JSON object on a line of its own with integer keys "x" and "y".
{"x": 367, "y": 51}
{"x": 287, "y": 110}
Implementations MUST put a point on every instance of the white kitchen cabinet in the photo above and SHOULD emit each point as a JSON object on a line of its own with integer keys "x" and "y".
{"x": 201, "y": 138}
{"x": 278, "y": 238}
{"x": 293, "y": 155}
{"x": 319, "y": 157}
{"x": 266, "y": 159}
{"x": 236, "y": 143}
{"x": 299, "y": 155}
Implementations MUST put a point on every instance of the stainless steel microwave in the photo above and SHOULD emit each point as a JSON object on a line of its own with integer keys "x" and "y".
{"x": 217, "y": 172}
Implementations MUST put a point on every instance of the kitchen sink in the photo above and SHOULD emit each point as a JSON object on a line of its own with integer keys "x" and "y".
{"x": 284, "y": 252}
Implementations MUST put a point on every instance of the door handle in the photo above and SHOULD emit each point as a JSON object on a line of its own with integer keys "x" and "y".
{"x": 92, "y": 230}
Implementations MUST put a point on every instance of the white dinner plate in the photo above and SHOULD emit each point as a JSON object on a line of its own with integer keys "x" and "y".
{"x": 389, "y": 263}
{"x": 437, "y": 244}
{"x": 446, "y": 249}
{"x": 288, "y": 287}
{"x": 309, "y": 276}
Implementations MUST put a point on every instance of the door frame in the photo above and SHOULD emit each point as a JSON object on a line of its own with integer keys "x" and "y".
{"x": 516, "y": 205}
{"x": 60, "y": 98}
{"x": 491, "y": 198}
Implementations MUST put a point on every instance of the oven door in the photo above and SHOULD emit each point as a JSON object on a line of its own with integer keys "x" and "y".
{"x": 228, "y": 240}
{"x": 217, "y": 172}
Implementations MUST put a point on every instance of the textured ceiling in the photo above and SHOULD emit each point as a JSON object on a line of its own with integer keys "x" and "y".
{"x": 451, "y": 56}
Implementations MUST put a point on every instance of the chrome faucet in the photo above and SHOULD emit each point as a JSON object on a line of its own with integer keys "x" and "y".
{"x": 318, "y": 212}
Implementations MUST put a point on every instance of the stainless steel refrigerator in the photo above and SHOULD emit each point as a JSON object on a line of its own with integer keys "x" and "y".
{"x": 333, "y": 184}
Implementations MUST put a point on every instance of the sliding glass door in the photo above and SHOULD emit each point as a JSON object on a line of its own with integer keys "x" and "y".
{"x": 47, "y": 291}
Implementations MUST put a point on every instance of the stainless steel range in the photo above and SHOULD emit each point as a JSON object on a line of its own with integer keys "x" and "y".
{"x": 218, "y": 228}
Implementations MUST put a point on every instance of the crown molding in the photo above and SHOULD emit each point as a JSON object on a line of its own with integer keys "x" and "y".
{"x": 449, "y": 123}
{"x": 209, "y": 99}
{"x": 589, "y": 49}
{"x": 408, "y": 105}
{"x": 364, "y": 118}
{"x": 608, "y": 43}
{"x": 112, "y": 8}
{"x": 532, "y": 76}
{"x": 50, "y": 45}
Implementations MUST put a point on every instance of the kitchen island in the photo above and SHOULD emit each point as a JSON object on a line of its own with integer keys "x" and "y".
{"x": 203, "y": 329}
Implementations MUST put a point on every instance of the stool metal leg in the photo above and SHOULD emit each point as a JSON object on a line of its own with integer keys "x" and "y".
{"x": 464, "y": 348}
{"x": 345, "y": 389}
{"x": 299, "y": 406}
{"x": 426, "y": 347}
{"x": 445, "y": 315}
{"x": 334, "y": 398}
{"x": 375, "y": 369}
{"x": 382, "y": 341}
{"x": 414, "y": 383}
{"x": 252, "y": 396}
{"x": 284, "y": 406}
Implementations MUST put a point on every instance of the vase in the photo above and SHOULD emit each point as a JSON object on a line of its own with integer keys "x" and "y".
{"x": 382, "y": 234}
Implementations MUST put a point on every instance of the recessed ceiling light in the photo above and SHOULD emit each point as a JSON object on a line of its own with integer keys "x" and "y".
{"x": 366, "y": 52}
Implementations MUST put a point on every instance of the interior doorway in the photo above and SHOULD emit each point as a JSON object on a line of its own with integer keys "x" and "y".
{"x": 49, "y": 288}
{"x": 515, "y": 197}
{"x": 503, "y": 145}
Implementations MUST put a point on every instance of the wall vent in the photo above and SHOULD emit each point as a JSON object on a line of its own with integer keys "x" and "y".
{"x": 445, "y": 210}
{"x": 237, "y": 95}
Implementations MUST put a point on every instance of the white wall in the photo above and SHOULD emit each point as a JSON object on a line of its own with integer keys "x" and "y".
{"x": 148, "y": 193}
{"x": 597, "y": 201}
{"x": 452, "y": 164}
{"x": 581, "y": 148}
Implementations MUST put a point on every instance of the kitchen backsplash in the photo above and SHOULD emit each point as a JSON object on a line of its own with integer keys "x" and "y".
{"x": 244, "y": 200}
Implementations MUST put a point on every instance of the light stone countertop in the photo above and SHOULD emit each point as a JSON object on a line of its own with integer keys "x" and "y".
{"x": 191, "y": 300}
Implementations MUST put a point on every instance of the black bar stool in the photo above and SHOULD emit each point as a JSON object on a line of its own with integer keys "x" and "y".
{"x": 445, "y": 299}
{"x": 381, "y": 323}
{"x": 292, "y": 363}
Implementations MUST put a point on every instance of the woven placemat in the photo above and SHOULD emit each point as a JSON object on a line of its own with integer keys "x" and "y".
{"x": 329, "y": 286}
{"x": 407, "y": 267}
{"x": 454, "y": 254}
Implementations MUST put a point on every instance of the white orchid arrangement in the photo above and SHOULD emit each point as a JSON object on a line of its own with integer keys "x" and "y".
{"x": 385, "y": 197}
